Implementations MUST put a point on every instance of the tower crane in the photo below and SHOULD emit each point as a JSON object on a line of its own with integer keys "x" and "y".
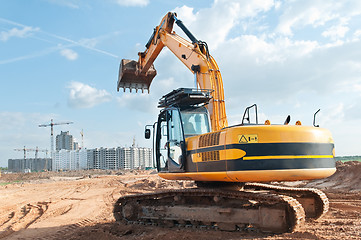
{"x": 36, "y": 150}
{"x": 24, "y": 150}
{"x": 52, "y": 124}
{"x": 82, "y": 139}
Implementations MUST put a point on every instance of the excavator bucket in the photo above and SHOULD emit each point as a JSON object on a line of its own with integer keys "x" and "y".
{"x": 130, "y": 77}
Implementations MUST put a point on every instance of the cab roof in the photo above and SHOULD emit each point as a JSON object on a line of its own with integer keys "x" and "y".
{"x": 186, "y": 98}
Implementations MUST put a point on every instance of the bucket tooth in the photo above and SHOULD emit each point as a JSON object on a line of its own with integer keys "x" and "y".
{"x": 130, "y": 77}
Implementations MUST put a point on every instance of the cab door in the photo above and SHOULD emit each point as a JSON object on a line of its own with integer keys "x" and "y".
{"x": 170, "y": 144}
{"x": 176, "y": 143}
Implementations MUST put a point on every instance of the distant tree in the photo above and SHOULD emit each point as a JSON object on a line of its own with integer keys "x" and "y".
{"x": 348, "y": 158}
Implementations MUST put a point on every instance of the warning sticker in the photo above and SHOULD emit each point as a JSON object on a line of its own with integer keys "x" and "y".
{"x": 248, "y": 138}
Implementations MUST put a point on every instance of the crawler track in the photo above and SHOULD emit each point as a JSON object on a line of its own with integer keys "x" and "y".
{"x": 205, "y": 208}
{"x": 314, "y": 201}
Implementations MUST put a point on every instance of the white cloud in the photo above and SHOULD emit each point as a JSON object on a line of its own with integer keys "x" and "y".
{"x": 335, "y": 32}
{"x": 11, "y": 120}
{"x": 137, "y": 101}
{"x": 69, "y": 54}
{"x": 223, "y": 16}
{"x": 186, "y": 14}
{"x": 145, "y": 102}
{"x": 357, "y": 88}
{"x": 133, "y": 3}
{"x": 25, "y": 32}
{"x": 89, "y": 42}
{"x": 85, "y": 96}
{"x": 335, "y": 114}
{"x": 298, "y": 14}
{"x": 357, "y": 33}
{"x": 264, "y": 58}
{"x": 20, "y": 129}
{"x": 278, "y": 4}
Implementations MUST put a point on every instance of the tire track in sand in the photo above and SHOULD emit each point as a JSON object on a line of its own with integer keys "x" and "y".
{"x": 23, "y": 218}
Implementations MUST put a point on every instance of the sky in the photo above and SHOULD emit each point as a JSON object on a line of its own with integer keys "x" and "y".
{"x": 59, "y": 59}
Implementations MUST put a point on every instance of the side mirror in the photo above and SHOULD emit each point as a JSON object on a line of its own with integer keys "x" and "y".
{"x": 147, "y": 133}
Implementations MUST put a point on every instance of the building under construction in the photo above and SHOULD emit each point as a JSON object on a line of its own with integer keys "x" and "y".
{"x": 30, "y": 165}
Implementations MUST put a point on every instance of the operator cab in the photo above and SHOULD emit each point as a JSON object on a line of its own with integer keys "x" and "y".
{"x": 183, "y": 115}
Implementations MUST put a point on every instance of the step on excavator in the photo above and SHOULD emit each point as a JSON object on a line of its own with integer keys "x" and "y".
{"x": 231, "y": 165}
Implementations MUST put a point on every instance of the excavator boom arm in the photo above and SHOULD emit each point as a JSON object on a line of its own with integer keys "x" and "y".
{"x": 154, "y": 45}
{"x": 194, "y": 55}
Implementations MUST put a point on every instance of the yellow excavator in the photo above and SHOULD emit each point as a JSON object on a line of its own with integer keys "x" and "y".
{"x": 192, "y": 141}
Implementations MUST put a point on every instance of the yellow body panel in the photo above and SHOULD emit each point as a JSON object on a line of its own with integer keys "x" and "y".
{"x": 263, "y": 134}
{"x": 278, "y": 133}
{"x": 269, "y": 134}
{"x": 266, "y": 145}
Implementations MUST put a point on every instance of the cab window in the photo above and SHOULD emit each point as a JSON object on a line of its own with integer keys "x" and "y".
{"x": 195, "y": 122}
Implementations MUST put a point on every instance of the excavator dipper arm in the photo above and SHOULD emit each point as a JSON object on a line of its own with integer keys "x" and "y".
{"x": 194, "y": 55}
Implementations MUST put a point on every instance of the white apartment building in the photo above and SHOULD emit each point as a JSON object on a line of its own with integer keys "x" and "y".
{"x": 125, "y": 158}
{"x": 134, "y": 157}
{"x": 103, "y": 158}
{"x": 81, "y": 158}
{"x": 146, "y": 155}
{"x": 69, "y": 160}
{"x": 109, "y": 158}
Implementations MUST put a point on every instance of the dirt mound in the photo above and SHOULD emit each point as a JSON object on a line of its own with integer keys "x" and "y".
{"x": 346, "y": 178}
{"x": 158, "y": 183}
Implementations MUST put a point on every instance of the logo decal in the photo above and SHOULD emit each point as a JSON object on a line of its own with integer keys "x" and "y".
{"x": 248, "y": 138}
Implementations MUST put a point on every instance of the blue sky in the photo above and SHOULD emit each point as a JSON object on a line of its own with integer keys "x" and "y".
{"x": 59, "y": 60}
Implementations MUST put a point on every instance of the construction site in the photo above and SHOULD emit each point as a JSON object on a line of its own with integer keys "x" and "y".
{"x": 206, "y": 177}
{"x": 79, "y": 205}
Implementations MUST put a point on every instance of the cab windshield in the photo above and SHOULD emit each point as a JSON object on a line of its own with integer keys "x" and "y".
{"x": 195, "y": 122}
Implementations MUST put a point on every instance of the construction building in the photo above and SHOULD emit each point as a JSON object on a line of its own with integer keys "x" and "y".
{"x": 30, "y": 165}
{"x": 120, "y": 158}
{"x": 70, "y": 160}
{"x": 64, "y": 141}
{"x": 103, "y": 158}
{"x": 98, "y": 158}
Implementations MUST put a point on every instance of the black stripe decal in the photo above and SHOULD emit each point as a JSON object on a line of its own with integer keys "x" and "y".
{"x": 273, "y": 149}
{"x": 266, "y": 149}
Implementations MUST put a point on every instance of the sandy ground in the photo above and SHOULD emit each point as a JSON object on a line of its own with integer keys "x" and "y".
{"x": 78, "y": 205}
